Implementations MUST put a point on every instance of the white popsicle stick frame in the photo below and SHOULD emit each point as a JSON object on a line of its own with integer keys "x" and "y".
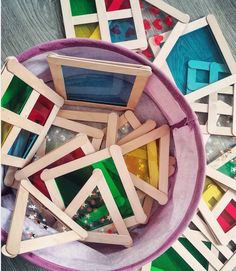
{"x": 102, "y": 17}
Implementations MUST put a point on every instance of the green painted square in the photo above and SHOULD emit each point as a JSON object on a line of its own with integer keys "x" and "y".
{"x": 82, "y": 7}
{"x": 93, "y": 214}
{"x": 16, "y": 95}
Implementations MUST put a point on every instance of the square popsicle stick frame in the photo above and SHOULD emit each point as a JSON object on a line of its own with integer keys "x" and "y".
{"x": 138, "y": 74}
{"x": 15, "y": 246}
{"x": 113, "y": 152}
{"x": 163, "y": 52}
{"x": 129, "y": 119}
{"x": 111, "y": 119}
{"x": 19, "y": 123}
{"x": 103, "y": 17}
{"x": 221, "y": 168}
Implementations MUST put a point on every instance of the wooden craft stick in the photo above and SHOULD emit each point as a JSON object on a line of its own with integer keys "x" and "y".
{"x": 17, "y": 222}
{"x": 16, "y": 120}
{"x": 147, "y": 207}
{"x": 230, "y": 264}
{"x": 147, "y": 267}
{"x": 220, "y": 177}
{"x": 117, "y": 157}
{"x": 220, "y": 39}
{"x": 103, "y": 21}
{"x": 54, "y": 209}
{"x": 78, "y": 127}
{"x": 169, "y": 44}
{"x": 145, "y": 139}
{"x": 112, "y": 127}
{"x": 75, "y": 143}
{"x": 153, "y": 163}
{"x": 164, "y": 148}
{"x": 132, "y": 119}
{"x": 141, "y": 130}
{"x": 148, "y": 189}
{"x": 205, "y": 91}
{"x": 84, "y": 115}
{"x": 213, "y": 224}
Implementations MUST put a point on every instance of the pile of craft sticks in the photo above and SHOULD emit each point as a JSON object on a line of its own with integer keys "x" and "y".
{"x": 127, "y": 161}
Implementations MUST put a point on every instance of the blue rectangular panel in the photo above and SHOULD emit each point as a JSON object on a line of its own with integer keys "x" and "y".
{"x": 97, "y": 86}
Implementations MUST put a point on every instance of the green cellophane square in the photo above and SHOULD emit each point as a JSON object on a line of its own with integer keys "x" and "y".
{"x": 171, "y": 260}
{"x": 16, "y": 95}
{"x": 93, "y": 213}
{"x": 229, "y": 168}
{"x": 82, "y": 7}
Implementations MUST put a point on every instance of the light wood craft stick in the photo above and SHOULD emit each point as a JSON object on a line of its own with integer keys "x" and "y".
{"x": 19, "y": 121}
{"x": 75, "y": 143}
{"x": 153, "y": 192}
{"x": 141, "y": 130}
{"x": 128, "y": 184}
{"x": 78, "y": 127}
{"x": 132, "y": 119}
{"x": 17, "y": 222}
{"x": 145, "y": 139}
{"x": 84, "y": 116}
{"x": 82, "y": 234}
{"x": 112, "y": 127}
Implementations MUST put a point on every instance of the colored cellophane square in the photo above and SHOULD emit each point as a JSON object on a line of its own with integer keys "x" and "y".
{"x": 212, "y": 193}
{"x": 199, "y": 45}
{"x": 5, "y": 130}
{"x": 229, "y": 168}
{"x": 82, "y": 7}
{"x": 16, "y": 95}
{"x": 91, "y": 30}
{"x": 40, "y": 184}
{"x": 124, "y": 130}
{"x": 23, "y": 144}
{"x": 227, "y": 219}
{"x": 171, "y": 260}
{"x": 93, "y": 213}
{"x": 97, "y": 86}
{"x": 122, "y": 30}
{"x": 112, "y": 5}
{"x": 41, "y": 110}
{"x": 144, "y": 162}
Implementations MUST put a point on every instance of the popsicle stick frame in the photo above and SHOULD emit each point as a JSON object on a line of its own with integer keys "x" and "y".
{"x": 223, "y": 169}
{"x": 113, "y": 152}
{"x": 105, "y": 18}
{"x": 210, "y": 21}
{"x": 98, "y": 180}
{"x": 111, "y": 119}
{"x": 70, "y": 74}
{"x": 129, "y": 119}
{"x": 14, "y": 245}
{"x": 26, "y": 115}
